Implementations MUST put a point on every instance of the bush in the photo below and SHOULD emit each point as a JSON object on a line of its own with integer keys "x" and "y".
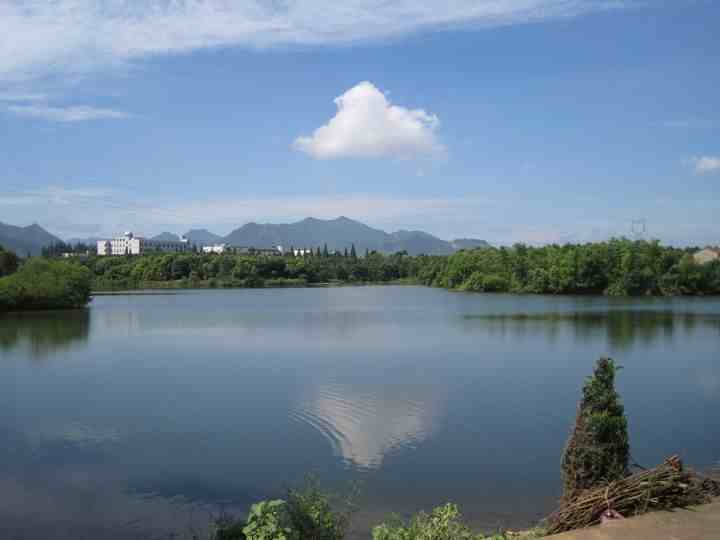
{"x": 45, "y": 284}
{"x": 270, "y": 520}
{"x": 9, "y": 262}
{"x": 443, "y": 523}
{"x": 312, "y": 514}
{"x": 307, "y": 514}
{"x": 598, "y": 450}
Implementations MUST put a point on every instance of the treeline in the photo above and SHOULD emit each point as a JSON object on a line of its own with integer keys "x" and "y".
{"x": 59, "y": 248}
{"x": 619, "y": 267}
{"x": 230, "y": 270}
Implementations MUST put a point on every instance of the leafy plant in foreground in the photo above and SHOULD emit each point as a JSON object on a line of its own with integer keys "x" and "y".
{"x": 443, "y": 523}
{"x": 270, "y": 520}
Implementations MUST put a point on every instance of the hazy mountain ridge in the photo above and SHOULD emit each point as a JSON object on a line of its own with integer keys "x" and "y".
{"x": 24, "y": 240}
{"x": 339, "y": 234}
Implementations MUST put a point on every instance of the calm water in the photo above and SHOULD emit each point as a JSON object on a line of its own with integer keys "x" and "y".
{"x": 142, "y": 414}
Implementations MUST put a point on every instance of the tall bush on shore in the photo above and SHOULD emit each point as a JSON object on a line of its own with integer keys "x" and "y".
{"x": 45, "y": 284}
{"x": 598, "y": 449}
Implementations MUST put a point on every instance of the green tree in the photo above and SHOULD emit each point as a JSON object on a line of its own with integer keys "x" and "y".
{"x": 598, "y": 449}
{"x": 9, "y": 262}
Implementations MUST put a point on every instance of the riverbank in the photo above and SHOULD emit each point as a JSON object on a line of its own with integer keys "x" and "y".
{"x": 696, "y": 523}
{"x": 157, "y": 287}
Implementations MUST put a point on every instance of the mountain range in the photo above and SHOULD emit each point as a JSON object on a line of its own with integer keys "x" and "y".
{"x": 24, "y": 240}
{"x": 338, "y": 234}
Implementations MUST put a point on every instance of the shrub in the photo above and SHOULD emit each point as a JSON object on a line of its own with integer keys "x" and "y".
{"x": 45, "y": 284}
{"x": 443, "y": 523}
{"x": 598, "y": 449}
{"x": 312, "y": 514}
{"x": 9, "y": 262}
{"x": 307, "y": 514}
{"x": 269, "y": 520}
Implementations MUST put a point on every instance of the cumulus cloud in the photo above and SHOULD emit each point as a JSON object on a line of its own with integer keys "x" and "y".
{"x": 40, "y": 37}
{"x": 367, "y": 125}
{"x": 67, "y": 114}
{"x": 706, "y": 164}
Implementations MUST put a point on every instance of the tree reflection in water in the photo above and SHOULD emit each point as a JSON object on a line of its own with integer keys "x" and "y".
{"x": 44, "y": 332}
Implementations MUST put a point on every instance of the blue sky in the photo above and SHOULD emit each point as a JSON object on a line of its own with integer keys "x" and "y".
{"x": 512, "y": 120}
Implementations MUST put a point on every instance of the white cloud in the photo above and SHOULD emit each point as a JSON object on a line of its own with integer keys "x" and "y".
{"x": 41, "y": 37}
{"x": 367, "y": 125}
{"x": 80, "y": 113}
{"x": 706, "y": 164}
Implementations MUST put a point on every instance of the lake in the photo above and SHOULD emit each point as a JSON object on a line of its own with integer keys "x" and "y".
{"x": 144, "y": 414}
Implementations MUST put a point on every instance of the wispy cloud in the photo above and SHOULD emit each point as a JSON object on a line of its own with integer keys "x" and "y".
{"x": 21, "y": 97}
{"x": 686, "y": 123}
{"x": 706, "y": 164}
{"x": 41, "y": 37}
{"x": 367, "y": 125}
{"x": 67, "y": 114}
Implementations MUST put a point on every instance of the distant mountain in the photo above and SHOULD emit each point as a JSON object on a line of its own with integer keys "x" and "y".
{"x": 338, "y": 234}
{"x": 416, "y": 242}
{"x": 203, "y": 237}
{"x": 469, "y": 243}
{"x": 166, "y": 237}
{"x": 90, "y": 241}
{"x": 24, "y": 240}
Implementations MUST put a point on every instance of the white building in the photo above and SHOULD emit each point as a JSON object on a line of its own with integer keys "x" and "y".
{"x": 217, "y": 248}
{"x": 129, "y": 244}
{"x": 707, "y": 255}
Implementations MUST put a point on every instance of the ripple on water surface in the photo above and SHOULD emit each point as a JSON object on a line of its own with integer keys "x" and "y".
{"x": 362, "y": 427}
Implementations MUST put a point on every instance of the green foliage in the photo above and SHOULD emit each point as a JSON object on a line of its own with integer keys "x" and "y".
{"x": 443, "y": 523}
{"x": 45, "y": 284}
{"x": 269, "y": 520}
{"x": 232, "y": 270}
{"x": 313, "y": 516}
{"x": 619, "y": 267}
{"x": 598, "y": 449}
{"x": 308, "y": 514}
{"x": 9, "y": 262}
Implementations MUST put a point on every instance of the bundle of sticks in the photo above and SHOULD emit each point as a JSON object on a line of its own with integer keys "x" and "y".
{"x": 666, "y": 486}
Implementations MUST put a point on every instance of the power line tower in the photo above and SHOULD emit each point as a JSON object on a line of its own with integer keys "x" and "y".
{"x": 638, "y": 229}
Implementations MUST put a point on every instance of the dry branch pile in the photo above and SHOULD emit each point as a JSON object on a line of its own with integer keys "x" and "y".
{"x": 667, "y": 486}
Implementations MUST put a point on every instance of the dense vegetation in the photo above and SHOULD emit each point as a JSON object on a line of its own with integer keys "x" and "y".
{"x": 9, "y": 262}
{"x": 310, "y": 514}
{"x": 618, "y": 267}
{"x": 45, "y": 284}
{"x": 230, "y": 270}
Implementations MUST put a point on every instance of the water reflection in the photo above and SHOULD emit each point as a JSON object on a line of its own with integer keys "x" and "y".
{"x": 623, "y": 329}
{"x": 44, "y": 333}
{"x": 363, "y": 425}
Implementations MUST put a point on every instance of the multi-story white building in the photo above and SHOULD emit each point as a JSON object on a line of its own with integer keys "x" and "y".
{"x": 129, "y": 244}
